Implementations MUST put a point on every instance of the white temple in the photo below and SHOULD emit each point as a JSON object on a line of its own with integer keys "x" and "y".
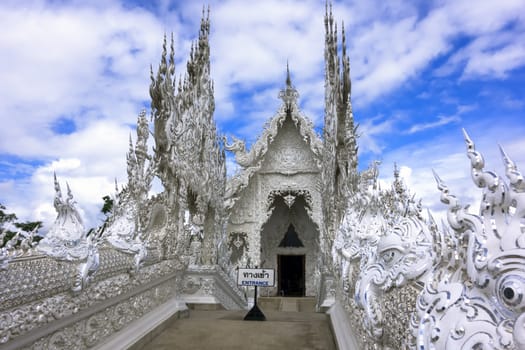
{"x": 388, "y": 276}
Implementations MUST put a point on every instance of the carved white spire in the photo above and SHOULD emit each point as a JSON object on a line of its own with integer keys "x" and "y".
{"x": 189, "y": 156}
{"x": 289, "y": 94}
{"x": 340, "y": 134}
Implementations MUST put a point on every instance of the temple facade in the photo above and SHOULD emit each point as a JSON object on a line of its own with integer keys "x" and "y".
{"x": 275, "y": 213}
{"x": 284, "y": 204}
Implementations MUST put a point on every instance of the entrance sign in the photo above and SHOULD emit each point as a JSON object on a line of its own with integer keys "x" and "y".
{"x": 256, "y": 277}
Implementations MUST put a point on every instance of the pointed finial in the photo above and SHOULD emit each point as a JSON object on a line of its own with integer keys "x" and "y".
{"x": 163, "y": 63}
{"x": 396, "y": 170}
{"x": 57, "y": 186}
{"x": 440, "y": 184}
{"x": 446, "y": 197}
{"x": 431, "y": 220}
{"x": 331, "y": 16}
{"x": 288, "y": 79}
{"x": 205, "y": 22}
{"x": 69, "y": 193}
{"x": 343, "y": 38}
{"x": 289, "y": 95}
{"x": 511, "y": 170}
{"x": 326, "y": 16}
{"x": 468, "y": 141}
{"x": 172, "y": 57}
{"x": 480, "y": 177}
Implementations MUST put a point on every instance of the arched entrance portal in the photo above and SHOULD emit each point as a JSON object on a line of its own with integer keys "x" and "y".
{"x": 289, "y": 244}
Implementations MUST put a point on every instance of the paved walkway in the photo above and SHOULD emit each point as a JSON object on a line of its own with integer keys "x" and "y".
{"x": 227, "y": 330}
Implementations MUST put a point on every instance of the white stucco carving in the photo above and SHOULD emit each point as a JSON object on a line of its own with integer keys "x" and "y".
{"x": 478, "y": 297}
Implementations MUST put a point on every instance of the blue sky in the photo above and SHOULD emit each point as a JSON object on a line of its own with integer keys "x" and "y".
{"x": 75, "y": 75}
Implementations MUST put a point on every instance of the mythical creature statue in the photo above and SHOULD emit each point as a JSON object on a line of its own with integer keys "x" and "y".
{"x": 66, "y": 240}
{"x": 382, "y": 244}
{"x": 194, "y": 230}
{"x": 243, "y": 158}
{"x": 478, "y": 302}
{"x": 121, "y": 230}
{"x": 22, "y": 243}
{"x": 87, "y": 270}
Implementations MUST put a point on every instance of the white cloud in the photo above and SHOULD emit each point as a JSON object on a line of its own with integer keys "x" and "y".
{"x": 371, "y": 131}
{"x": 58, "y": 63}
{"x": 441, "y": 121}
{"x": 88, "y": 64}
{"x": 251, "y": 50}
{"x": 497, "y": 63}
{"x": 395, "y": 47}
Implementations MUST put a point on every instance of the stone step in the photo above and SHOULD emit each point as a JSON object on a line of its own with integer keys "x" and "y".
{"x": 288, "y": 304}
{"x": 227, "y": 330}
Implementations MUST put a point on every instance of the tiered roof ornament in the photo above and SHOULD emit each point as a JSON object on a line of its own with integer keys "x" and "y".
{"x": 289, "y": 94}
{"x": 251, "y": 161}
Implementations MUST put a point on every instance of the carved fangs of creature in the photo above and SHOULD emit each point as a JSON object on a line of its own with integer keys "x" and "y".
{"x": 402, "y": 255}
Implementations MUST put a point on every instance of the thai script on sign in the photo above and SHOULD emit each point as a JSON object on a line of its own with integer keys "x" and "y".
{"x": 256, "y": 277}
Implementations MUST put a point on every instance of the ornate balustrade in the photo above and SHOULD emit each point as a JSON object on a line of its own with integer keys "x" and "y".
{"x": 212, "y": 288}
{"x": 47, "y": 314}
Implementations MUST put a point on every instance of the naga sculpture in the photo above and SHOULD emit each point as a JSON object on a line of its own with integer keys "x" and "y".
{"x": 381, "y": 253}
{"x": 87, "y": 270}
{"x": 478, "y": 300}
{"x": 243, "y": 158}
{"x": 122, "y": 231}
{"x": 66, "y": 240}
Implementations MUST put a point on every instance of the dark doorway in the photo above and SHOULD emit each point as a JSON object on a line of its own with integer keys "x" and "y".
{"x": 291, "y": 275}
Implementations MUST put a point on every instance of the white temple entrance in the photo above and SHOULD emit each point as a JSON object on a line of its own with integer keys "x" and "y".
{"x": 289, "y": 244}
